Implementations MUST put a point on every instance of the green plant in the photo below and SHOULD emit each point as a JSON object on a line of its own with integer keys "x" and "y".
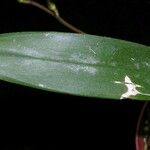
{"x": 84, "y": 65}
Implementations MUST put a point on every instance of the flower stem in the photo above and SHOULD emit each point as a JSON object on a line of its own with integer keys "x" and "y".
{"x": 52, "y": 13}
{"x": 138, "y": 128}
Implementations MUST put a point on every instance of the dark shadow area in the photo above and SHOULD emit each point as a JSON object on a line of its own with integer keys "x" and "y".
{"x": 125, "y": 19}
{"x": 65, "y": 121}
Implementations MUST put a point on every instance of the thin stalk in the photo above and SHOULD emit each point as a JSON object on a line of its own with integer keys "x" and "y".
{"x": 57, "y": 16}
{"x": 138, "y": 125}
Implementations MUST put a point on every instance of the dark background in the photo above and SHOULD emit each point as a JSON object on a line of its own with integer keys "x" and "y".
{"x": 123, "y": 19}
{"x": 58, "y": 121}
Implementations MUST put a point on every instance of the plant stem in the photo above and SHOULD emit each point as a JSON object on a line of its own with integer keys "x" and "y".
{"x": 60, "y": 19}
{"x": 138, "y": 125}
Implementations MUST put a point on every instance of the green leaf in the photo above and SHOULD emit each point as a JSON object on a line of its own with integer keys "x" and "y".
{"x": 84, "y": 65}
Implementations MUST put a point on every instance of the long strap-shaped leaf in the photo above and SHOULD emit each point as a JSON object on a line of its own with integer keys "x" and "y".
{"x": 84, "y": 65}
